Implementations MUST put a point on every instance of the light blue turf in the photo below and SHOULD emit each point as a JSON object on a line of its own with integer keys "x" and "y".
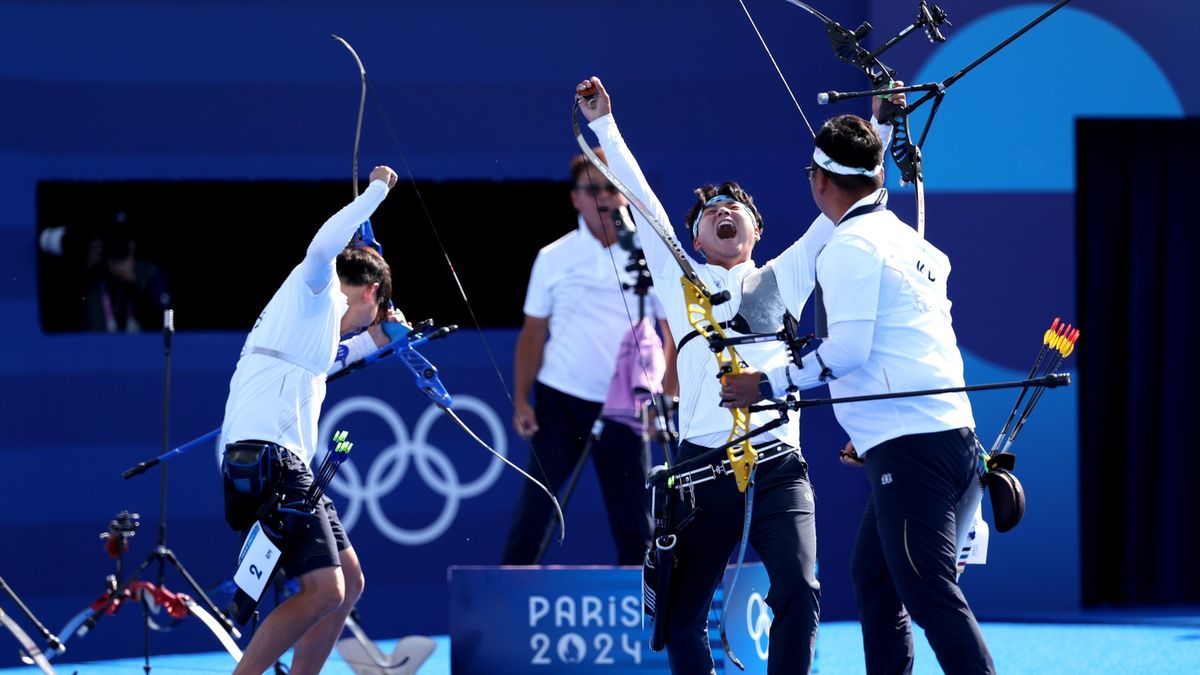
{"x": 221, "y": 662}
{"x": 1040, "y": 649}
{"x": 1029, "y": 649}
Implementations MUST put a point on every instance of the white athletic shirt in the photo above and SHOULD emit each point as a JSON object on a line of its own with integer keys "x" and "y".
{"x": 889, "y": 331}
{"x": 701, "y": 419}
{"x": 576, "y": 283}
{"x": 279, "y": 384}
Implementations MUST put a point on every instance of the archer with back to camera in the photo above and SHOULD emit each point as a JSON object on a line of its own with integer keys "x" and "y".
{"x": 271, "y": 414}
{"x": 885, "y": 292}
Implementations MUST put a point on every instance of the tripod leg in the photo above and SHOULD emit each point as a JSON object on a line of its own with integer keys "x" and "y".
{"x": 199, "y": 592}
{"x": 51, "y": 639}
{"x": 69, "y": 629}
{"x": 572, "y": 481}
{"x": 146, "y": 628}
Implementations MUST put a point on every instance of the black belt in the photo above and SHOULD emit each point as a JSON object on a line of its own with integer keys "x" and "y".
{"x": 687, "y": 480}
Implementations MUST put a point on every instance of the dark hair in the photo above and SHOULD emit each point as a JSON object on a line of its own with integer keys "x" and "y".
{"x": 581, "y": 163}
{"x": 851, "y": 141}
{"x": 728, "y": 188}
{"x": 363, "y": 266}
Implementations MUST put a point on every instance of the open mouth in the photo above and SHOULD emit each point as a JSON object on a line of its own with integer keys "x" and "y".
{"x": 726, "y": 230}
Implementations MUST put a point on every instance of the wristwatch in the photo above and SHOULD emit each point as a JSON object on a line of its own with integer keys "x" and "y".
{"x": 764, "y": 386}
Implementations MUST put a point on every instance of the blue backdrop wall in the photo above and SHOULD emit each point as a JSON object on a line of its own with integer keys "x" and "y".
{"x": 481, "y": 90}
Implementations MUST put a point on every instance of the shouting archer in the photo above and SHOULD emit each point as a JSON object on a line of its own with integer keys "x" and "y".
{"x": 728, "y": 301}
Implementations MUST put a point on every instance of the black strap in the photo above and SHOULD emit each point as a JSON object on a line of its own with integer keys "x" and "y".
{"x": 737, "y": 323}
{"x": 826, "y": 373}
{"x": 863, "y": 210}
{"x": 713, "y": 457}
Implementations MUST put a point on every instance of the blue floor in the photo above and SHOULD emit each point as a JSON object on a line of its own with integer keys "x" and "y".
{"x": 1161, "y": 647}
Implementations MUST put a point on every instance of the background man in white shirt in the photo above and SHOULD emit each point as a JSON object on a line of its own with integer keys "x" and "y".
{"x": 576, "y": 313}
{"x": 275, "y": 399}
{"x": 889, "y": 331}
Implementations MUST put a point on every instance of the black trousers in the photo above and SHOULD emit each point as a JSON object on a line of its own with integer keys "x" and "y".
{"x": 621, "y": 461}
{"x": 904, "y": 559}
{"x": 782, "y": 531}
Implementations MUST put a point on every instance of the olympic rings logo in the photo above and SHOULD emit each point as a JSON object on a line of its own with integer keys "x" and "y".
{"x": 391, "y": 465}
{"x": 758, "y": 624}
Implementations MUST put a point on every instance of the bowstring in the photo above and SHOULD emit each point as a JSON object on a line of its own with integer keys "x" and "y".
{"x": 594, "y": 192}
{"x": 775, "y": 63}
{"x": 692, "y": 404}
{"x": 450, "y": 264}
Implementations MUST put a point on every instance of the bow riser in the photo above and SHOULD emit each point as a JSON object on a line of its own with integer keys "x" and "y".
{"x": 426, "y": 375}
{"x": 742, "y": 456}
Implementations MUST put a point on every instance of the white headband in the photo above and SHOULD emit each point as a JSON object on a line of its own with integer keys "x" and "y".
{"x": 826, "y": 162}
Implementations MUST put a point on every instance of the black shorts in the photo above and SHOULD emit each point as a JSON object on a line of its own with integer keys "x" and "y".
{"x": 316, "y": 541}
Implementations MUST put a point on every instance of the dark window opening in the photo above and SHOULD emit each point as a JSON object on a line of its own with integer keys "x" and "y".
{"x": 113, "y": 254}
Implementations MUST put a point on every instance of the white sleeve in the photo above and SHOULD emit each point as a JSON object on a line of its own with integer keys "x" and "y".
{"x": 850, "y": 273}
{"x": 654, "y": 305}
{"x": 317, "y": 268}
{"x": 353, "y": 349}
{"x": 844, "y": 351}
{"x": 537, "y": 294}
{"x": 623, "y": 165}
{"x": 885, "y": 133}
{"x": 796, "y": 268}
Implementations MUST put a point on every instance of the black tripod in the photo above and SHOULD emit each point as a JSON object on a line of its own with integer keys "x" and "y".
{"x": 161, "y": 554}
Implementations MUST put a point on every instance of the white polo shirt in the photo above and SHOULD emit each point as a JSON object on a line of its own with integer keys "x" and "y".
{"x": 877, "y": 273}
{"x": 701, "y": 419}
{"x": 278, "y": 387}
{"x": 576, "y": 283}
{"x": 278, "y": 400}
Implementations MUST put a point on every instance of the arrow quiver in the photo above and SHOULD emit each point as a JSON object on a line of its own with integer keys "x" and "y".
{"x": 659, "y": 563}
{"x": 251, "y": 473}
{"x": 1005, "y": 491}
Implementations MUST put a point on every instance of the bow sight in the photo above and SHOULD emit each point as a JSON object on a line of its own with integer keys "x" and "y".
{"x": 847, "y": 45}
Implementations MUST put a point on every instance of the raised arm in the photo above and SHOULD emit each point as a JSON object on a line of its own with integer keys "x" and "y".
{"x": 885, "y": 130}
{"x": 597, "y": 110}
{"x": 317, "y": 268}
